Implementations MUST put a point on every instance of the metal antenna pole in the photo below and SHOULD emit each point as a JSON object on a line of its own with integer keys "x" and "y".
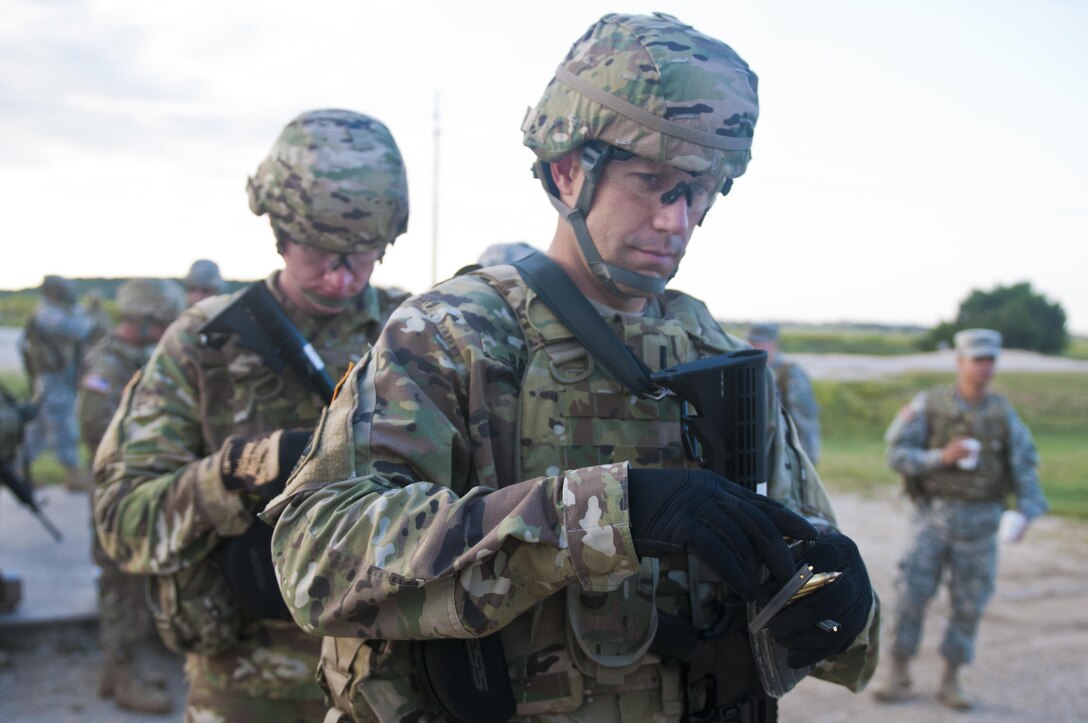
{"x": 434, "y": 196}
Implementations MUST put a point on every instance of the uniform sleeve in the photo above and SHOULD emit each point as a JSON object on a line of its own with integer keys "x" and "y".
{"x": 392, "y": 527}
{"x": 907, "y": 437}
{"x": 1023, "y": 466}
{"x": 805, "y": 411}
{"x": 99, "y": 396}
{"x": 159, "y": 502}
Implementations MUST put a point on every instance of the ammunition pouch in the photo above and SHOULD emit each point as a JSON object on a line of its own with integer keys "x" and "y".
{"x": 200, "y": 609}
{"x": 468, "y": 678}
{"x": 913, "y": 488}
{"x": 194, "y": 610}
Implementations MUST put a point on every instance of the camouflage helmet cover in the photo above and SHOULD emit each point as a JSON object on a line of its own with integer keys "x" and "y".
{"x": 650, "y": 85}
{"x": 205, "y": 274}
{"x": 334, "y": 179}
{"x": 160, "y": 300}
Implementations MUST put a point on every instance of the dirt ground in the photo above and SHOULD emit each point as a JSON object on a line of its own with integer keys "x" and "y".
{"x": 1032, "y": 659}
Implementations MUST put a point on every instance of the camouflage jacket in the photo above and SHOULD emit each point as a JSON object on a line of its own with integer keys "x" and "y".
{"x": 407, "y": 520}
{"x": 55, "y": 338}
{"x": 160, "y": 504}
{"x": 108, "y": 367}
{"x": 909, "y": 453}
{"x": 795, "y": 390}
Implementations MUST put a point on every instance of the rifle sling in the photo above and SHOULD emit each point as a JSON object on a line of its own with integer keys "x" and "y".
{"x": 558, "y": 292}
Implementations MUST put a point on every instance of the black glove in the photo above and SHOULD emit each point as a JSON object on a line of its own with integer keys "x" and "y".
{"x": 260, "y": 465}
{"x": 825, "y": 622}
{"x": 726, "y": 526}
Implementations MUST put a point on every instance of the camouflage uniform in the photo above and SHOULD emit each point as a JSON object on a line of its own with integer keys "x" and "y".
{"x": 471, "y": 477}
{"x": 795, "y": 391}
{"x": 334, "y": 181}
{"x": 56, "y": 345}
{"x": 955, "y": 522}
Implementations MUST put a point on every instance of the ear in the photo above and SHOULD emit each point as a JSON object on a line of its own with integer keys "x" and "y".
{"x": 565, "y": 174}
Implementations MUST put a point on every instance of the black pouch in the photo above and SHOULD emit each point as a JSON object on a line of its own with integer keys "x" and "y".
{"x": 247, "y": 566}
{"x": 468, "y": 678}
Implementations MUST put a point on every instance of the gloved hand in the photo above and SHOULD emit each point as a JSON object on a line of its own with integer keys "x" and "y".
{"x": 846, "y": 601}
{"x": 260, "y": 465}
{"x": 726, "y": 526}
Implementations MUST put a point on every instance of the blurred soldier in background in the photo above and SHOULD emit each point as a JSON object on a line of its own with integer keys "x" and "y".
{"x": 208, "y": 434}
{"x": 794, "y": 388}
{"x": 496, "y": 254}
{"x": 479, "y": 477}
{"x": 146, "y": 308}
{"x": 202, "y": 281}
{"x": 962, "y": 451}
{"x": 53, "y": 343}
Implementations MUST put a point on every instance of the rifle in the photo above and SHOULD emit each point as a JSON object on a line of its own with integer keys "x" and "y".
{"x": 723, "y": 423}
{"x": 261, "y": 325}
{"x": 25, "y": 495}
{"x": 20, "y": 486}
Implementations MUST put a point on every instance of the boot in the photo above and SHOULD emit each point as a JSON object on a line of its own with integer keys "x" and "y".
{"x": 131, "y": 692}
{"x": 951, "y": 693}
{"x": 76, "y": 480}
{"x": 897, "y": 687}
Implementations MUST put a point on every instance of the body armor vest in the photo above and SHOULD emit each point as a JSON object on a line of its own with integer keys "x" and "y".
{"x": 573, "y": 414}
{"x": 948, "y": 417}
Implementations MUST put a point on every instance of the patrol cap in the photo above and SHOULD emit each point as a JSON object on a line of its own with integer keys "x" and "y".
{"x": 204, "y": 273}
{"x": 977, "y": 343}
{"x": 763, "y": 332}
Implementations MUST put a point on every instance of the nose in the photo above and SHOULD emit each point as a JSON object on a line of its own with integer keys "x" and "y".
{"x": 340, "y": 278}
{"x": 673, "y": 217}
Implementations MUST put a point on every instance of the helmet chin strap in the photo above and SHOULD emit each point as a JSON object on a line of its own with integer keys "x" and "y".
{"x": 594, "y": 157}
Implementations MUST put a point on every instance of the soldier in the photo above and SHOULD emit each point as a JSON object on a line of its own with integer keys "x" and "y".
{"x": 14, "y": 416}
{"x": 202, "y": 281}
{"x": 496, "y": 254}
{"x": 962, "y": 451}
{"x": 146, "y": 307}
{"x": 180, "y": 469}
{"x": 794, "y": 388}
{"x": 53, "y": 343}
{"x": 474, "y": 476}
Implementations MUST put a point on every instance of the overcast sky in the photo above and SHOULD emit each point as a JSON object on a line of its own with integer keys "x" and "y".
{"x": 906, "y": 153}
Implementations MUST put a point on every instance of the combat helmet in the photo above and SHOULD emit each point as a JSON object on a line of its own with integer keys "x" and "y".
{"x": 58, "y": 289}
{"x": 204, "y": 274}
{"x": 156, "y": 300}
{"x": 335, "y": 180}
{"x": 649, "y": 86}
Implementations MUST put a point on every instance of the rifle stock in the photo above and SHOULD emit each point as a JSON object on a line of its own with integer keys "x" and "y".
{"x": 261, "y": 325}
{"x": 725, "y": 413}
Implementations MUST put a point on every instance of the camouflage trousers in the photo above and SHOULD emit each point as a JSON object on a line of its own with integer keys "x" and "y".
{"x": 960, "y": 538}
{"x": 56, "y": 426}
{"x": 268, "y": 676}
{"x": 124, "y": 620}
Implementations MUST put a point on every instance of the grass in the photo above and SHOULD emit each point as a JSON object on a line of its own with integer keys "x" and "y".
{"x": 854, "y": 416}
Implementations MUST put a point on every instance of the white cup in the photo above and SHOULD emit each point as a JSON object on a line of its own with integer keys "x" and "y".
{"x": 1012, "y": 525}
{"x": 971, "y": 460}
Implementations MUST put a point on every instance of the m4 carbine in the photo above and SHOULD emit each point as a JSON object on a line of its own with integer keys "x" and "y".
{"x": 261, "y": 325}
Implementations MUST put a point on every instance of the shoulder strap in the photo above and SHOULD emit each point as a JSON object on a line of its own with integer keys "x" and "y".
{"x": 555, "y": 289}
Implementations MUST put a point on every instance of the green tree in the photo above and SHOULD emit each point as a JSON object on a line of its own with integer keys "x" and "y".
{"x": 1026, "y": 319}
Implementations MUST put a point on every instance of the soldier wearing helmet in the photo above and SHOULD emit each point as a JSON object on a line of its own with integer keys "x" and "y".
{"x": 202, "y": 281}
{"x": 146, "y": 307}
{"x": 53, "y": 342}
{"x": 207, "y": 435}
{"x": 480, "y": 477}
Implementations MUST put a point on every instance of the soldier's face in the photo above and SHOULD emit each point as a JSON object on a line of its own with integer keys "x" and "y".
{"x": 643, "y": 214}
{"x": 978, "y": 371}
{"x": 322, "y": 282}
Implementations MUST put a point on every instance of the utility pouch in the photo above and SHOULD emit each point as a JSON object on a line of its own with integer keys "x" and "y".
{"x": 247, "y": 566}
{"x": 468, "y": 678}
{"x": 194, "y": 610}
